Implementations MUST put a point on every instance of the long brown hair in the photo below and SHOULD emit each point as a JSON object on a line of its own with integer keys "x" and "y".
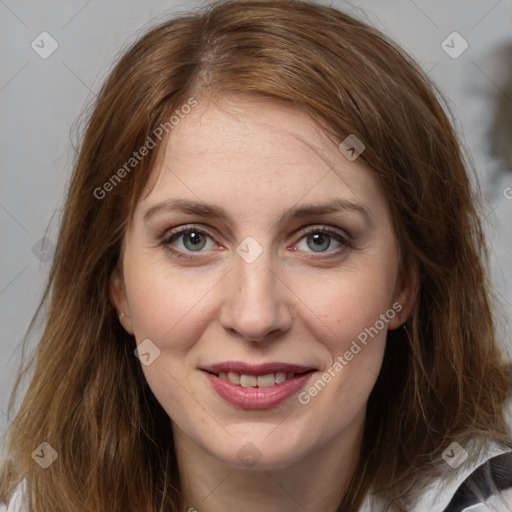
{"x": 442, "y": 380}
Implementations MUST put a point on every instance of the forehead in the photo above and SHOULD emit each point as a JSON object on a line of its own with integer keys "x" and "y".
{"x": 255, "y": 153}
{"x": 249, "y": 133}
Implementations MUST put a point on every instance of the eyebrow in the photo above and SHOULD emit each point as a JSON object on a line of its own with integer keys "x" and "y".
{"x": 297, "y": 212}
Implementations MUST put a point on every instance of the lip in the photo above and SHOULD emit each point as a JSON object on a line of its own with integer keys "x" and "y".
{"x": 256, "y": 369}
{"x": 257, "y": 398}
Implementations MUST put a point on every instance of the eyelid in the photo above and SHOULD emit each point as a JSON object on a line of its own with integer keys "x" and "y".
{"x": 166, "y": 237}
{"x": 340, "y": 235}
{"x": 322, "y": 228}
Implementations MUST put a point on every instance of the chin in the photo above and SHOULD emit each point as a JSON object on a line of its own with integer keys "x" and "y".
{"x": 257, "y": 450}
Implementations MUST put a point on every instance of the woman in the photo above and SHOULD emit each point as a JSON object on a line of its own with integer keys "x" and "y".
{"x": 269, "y": 291}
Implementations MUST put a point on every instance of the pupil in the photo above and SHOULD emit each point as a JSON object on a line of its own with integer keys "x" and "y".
{"x": 321, "y": 242}
{"x": 195, "y": 241}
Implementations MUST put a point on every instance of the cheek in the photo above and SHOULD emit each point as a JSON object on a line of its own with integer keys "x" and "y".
{"x": 166, "y": 305}
{"x": 353, "y": 333}
{"x": 346, "y": 305}
{"x": 172, "y": 309}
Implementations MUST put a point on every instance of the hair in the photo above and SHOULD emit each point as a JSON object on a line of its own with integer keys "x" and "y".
{"x": 442, "y": 380}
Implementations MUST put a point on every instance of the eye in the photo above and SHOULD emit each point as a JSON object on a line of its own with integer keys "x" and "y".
{"x": 188, "y": 239}
{"x": 319, "y": 240}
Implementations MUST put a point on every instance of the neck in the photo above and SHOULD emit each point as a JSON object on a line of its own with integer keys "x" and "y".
{"x": 317, "y": 481}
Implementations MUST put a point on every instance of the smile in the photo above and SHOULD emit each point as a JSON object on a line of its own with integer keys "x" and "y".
{"x": 257, "y": 386}
{"x": 253, "y": 381}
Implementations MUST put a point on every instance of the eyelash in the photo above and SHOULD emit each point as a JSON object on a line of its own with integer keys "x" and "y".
{"x": 168, "y": 238}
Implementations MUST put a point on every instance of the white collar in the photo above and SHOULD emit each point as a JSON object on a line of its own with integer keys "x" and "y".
{"x": 438, "y": 494}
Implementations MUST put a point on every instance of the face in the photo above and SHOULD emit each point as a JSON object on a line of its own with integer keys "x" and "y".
{"x": 261, "y": 251}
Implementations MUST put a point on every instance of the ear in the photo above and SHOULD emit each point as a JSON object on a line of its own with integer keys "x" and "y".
{"x": 406, "y": 292}
{"x": 119, "y": 301}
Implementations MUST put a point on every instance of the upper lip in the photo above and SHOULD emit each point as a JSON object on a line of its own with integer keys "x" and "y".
{"x": 256, "y": 369}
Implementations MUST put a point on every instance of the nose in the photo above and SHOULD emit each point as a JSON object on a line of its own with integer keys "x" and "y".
{"x": 255, "y": 306}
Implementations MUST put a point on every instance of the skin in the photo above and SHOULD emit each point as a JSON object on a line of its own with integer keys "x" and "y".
{"x": 257, "y": 158}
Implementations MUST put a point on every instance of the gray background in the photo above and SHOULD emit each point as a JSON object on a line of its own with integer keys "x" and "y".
{"x": 41, "y": 100}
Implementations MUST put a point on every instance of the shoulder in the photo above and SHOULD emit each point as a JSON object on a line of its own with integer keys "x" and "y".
{"x": 17, "y": 501}
{"x": 495, "y": 503}
{"x": 482, "y": 485}
{"x": 487, "y": 483}
{"x": 489, "y": 487}
{"x": 473, "y": 487}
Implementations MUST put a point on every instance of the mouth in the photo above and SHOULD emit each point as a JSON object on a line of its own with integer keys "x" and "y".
{"x": 257, "y": 386}
{"x": 257, "y": 375}
{"x": 248, "y": 380}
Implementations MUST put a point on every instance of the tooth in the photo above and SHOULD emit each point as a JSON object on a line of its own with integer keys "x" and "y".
{"x": 248, "y": 381}
{"x": 265, "y": 381}
{"x": 280, "y": 377}
{"x": 261, "y": 381}
{"x": 234, "y": 378}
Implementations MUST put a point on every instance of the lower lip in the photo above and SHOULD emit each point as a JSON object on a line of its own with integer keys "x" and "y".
{"x": 257, "y": 398}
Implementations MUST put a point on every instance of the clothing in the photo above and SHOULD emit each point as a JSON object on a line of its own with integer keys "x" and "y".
{"x": 482, "y": 486}
{"x": 16, "y": 504}
{"x": 488, "y": 480}
{"x": 493, "y": 475}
